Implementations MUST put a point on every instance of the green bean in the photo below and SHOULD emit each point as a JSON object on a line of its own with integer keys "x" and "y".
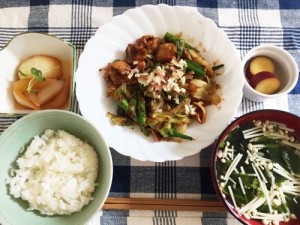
{"x": 144, "y": 130}
{"x": 141, "y": 108}
{"x": 217, "y": 67}
{"x": 142, "y": 118}
{"x": 174, "y": 133}
{"x": 167, "y": 131}
{"x": 172, "y": 38}
{"x": 123, "y": 103}
{"x": 131, "y": 112}
{"x": 197, "y": 68}
{"x": 127, "y": 106}
{"x": 180, "y": 47}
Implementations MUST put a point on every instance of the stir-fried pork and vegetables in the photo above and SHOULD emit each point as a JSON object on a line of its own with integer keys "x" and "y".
{"x": 162, "y": 85}
{"x": 258, "y": 170}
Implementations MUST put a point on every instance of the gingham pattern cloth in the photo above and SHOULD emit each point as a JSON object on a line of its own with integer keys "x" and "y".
{"x": 248, "y": 23}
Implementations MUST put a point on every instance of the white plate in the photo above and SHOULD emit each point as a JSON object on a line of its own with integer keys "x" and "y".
{"x": 110, "y": 42}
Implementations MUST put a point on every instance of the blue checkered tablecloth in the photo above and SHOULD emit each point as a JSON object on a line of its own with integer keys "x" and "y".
{"x": 248, "y": 23}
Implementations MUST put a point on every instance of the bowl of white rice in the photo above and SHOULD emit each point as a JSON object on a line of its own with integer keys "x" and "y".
{"x": 55, "y": 169}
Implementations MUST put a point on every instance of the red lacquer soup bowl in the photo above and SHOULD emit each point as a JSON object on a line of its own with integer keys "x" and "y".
{"x": 231, "y": 154}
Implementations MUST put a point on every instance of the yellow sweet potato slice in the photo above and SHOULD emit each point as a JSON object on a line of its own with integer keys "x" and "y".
{"x": 260, "y": 64}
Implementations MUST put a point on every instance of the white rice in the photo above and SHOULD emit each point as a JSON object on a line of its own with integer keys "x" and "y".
{"x": 56, "y": 174}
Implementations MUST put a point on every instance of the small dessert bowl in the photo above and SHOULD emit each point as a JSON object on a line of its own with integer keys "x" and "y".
{"x": 286, "y": 71}
{"x": 26, "y": 46}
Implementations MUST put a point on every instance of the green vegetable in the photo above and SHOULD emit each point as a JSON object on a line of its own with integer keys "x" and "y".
{"x": 197, "y": 68}
{"x": 119, "y": 120}
{"x": 172, "y": 38}
{"x": 141, "y": 108}
{"x": 167, "y": 118}
{"x": 167, "y": 131}
{"x": 123, "y": 103}
{"x": 131, "y": 111}
{"x": 222, "y": 145}
{"x": 174, "y": 133}
{"x": 128, "y": 106}
{"x": 217, "y": 67}
{"x": 144, "y": 130}
{"x": 36, "y": 76}
{"x": 142, "y": 117}
{"x": 180, "y": 47}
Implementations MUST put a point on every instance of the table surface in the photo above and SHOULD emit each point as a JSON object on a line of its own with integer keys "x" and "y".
{"x": 247, "y": 23}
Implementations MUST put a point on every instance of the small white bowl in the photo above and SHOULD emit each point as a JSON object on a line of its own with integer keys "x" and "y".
{"x": 23, "y": 46}
{"x": 286, "y": 71}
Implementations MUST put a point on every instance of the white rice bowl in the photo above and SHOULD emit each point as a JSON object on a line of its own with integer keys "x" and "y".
{"x": 56, "y": 174}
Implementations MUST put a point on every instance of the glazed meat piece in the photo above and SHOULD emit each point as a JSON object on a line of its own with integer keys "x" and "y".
{"x": 117, "y": 72}
{"x": 135, "y": 53}
{"x": 165, "y": 52}
{"x": 149, "y": 42}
